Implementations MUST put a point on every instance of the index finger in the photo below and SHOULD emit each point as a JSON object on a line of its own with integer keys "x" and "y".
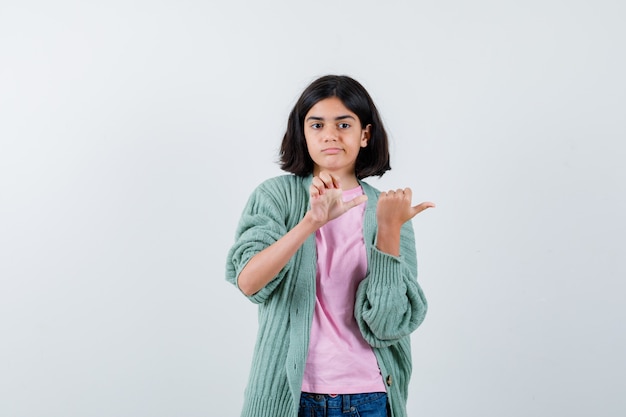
{"x": 329, "y": 180}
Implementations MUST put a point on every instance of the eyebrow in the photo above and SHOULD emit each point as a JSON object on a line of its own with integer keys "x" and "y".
{"x": 347, "y": 116}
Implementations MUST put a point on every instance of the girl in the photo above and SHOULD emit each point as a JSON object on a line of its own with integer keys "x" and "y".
{"x": 331, "y": 263}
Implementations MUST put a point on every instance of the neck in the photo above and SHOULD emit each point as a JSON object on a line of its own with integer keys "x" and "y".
{"x": 348, "y": 184}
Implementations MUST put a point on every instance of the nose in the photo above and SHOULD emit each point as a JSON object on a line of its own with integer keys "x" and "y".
{"x": 330, "y": 134}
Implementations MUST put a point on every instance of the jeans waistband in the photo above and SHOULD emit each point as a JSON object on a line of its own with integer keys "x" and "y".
{"x": 343, "y": 401}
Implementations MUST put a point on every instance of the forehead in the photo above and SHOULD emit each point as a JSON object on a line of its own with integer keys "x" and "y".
{"x": 331, "y": 106}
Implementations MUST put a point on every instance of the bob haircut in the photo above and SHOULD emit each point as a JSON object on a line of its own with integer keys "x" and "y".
{"x": 371, "y": 160}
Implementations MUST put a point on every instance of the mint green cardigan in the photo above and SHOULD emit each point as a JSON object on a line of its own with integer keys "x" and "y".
{"x": 389, "y": 302}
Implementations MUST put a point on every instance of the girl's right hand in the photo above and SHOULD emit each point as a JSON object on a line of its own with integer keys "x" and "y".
{"x": 326, "y": 199}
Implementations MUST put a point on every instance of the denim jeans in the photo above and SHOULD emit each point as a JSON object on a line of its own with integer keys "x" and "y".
{"x": 347, "y": 405}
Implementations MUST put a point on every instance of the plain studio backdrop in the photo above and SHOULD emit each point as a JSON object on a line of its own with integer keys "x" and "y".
{"x": 132, "y": 133}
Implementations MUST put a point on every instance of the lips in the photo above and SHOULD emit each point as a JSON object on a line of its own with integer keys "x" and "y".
{"x": 331, "y": 151}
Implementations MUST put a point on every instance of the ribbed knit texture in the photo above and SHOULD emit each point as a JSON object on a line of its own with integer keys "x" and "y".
{"x": 389, "y": 302}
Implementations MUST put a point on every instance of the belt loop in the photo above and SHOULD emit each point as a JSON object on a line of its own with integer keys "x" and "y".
{"x": 345, "y": 403}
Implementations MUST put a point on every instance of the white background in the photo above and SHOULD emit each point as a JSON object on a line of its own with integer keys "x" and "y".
{"x": 133, "y": 132}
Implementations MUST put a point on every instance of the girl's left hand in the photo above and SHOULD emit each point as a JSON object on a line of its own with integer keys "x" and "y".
{"x": 394, "y": 208}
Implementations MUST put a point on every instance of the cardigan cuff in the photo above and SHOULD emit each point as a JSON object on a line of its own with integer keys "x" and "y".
{"x": 385, "y": 266}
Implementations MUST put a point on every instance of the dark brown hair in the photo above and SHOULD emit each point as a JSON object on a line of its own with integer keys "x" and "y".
{"x": 371, "y": 160}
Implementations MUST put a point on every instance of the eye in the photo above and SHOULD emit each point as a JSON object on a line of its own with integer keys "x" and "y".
{"x": 344, "y": 125}
{"x": 316, "y": 126}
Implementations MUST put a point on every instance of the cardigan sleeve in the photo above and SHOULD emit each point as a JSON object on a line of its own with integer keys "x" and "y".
{"x": 261, "y": 224}
{"x": 389, "y": 302}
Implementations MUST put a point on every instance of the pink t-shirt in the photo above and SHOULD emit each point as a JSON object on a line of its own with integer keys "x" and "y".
{"x": 340, "y": 361}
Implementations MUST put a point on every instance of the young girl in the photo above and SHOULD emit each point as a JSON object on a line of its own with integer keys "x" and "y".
{"x": 331, "y": 263}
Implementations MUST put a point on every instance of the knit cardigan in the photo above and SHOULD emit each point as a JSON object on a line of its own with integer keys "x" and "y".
{"x": 389, "y": 302}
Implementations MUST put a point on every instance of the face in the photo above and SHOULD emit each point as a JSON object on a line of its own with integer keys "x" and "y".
{"x": 334, "y": 137}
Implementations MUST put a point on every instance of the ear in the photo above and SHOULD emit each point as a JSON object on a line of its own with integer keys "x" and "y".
{"x": 365, "y": 135}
